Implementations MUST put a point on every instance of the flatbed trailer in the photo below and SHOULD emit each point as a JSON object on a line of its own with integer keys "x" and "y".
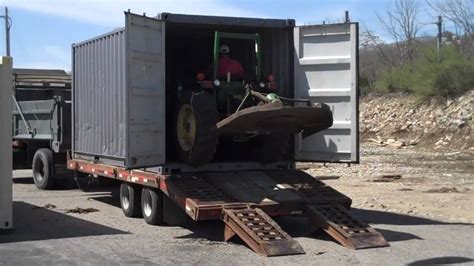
{"x": 245, "y": 201}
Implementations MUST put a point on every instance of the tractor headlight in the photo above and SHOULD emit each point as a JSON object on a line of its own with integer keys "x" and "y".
{"x": 262, "y": 85}
{"x": 217, "y": 83}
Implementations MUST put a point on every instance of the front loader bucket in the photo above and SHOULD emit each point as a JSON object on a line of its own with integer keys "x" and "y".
{"x": 276, "y": 117}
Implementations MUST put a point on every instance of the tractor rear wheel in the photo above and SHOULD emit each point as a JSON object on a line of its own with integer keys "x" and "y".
{"x": 195, "y": 128}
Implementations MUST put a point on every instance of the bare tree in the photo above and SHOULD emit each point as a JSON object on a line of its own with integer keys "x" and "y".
{"x": 400, "y": 22}
{"x": 460, "y": 12}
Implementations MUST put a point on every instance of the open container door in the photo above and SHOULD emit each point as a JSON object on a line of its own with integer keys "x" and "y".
{"x": 326, "y": 70}
{"x": 145, "y": 44}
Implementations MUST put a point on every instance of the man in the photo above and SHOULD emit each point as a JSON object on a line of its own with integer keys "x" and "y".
{"x": 228, "y": 65}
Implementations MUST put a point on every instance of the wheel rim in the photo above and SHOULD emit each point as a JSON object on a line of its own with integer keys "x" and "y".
{"x": 39, "y": 170}
{"x": 186, "y": 127}
{"x": 126, "y": 199}
{"x": 147, "y": 208}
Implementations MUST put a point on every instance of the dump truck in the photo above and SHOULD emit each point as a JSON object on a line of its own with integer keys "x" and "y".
{"x": 41, "y": 123}
{"x": 150, "y": 111}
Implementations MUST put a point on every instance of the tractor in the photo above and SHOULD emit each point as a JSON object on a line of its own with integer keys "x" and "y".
{"x": 246, "y": 113}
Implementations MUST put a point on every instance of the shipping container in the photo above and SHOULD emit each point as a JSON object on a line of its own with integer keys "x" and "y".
{"x": 125, "y": 84}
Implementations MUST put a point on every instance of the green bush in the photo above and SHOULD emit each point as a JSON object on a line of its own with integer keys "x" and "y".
{"x": 426, "y": 77}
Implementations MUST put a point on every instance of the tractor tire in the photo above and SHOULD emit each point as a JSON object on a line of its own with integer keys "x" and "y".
{"x": 152, "y": 206}
{"x": 130, "y": 200}
{"x": 273, "y": 147}
{"x": 43, "y": 169}
{"x": 195, "y": 128}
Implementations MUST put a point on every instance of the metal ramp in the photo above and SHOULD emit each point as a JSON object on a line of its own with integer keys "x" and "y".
{"x": 259, "y": 232}
{"x": 350, "y": 232}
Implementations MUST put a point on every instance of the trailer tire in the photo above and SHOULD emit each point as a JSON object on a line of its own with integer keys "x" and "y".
{"x": 43, "y": 169}
{"x": 195, "y": 130}
{"x": 152, "y": 207}
{"x": 130, "y": 200}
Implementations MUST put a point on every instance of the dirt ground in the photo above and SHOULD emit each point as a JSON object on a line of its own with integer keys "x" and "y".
{"x": 422, "y": 224}
{"x": 428, "y": 184}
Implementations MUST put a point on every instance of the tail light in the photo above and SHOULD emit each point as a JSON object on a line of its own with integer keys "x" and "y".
{"x": 270, "y": 78}
{"x": 200, "y": 76}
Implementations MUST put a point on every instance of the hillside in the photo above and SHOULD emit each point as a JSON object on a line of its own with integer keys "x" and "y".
{"x": 401, "y": 120}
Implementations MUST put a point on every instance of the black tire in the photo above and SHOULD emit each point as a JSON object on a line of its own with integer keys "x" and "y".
{"x": 43, "y": 169}
{"x": 130, "y": 199}
{"x": 273, "y": 147}
{"x": 204, "y": 110}
{"x": 152, "y": 207}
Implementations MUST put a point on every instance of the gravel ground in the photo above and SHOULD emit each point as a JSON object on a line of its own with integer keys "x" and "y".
{"x": 417, "y": 234}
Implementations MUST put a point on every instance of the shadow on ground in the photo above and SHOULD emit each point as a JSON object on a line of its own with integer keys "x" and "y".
{"x": 33, "y": 223}
{"x": 441, "y": 260}
{"x": 382, "y": 217}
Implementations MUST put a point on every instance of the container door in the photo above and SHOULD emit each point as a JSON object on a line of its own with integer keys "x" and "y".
{"x": 146, "y": 91}
{"x": 326, "y": 70}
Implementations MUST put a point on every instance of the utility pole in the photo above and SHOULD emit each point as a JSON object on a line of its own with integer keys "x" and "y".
{"x": 7, "y": 30}
{"x": 440, "y": 34}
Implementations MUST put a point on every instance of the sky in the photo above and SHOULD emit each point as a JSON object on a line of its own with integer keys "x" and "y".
{"x": 43, "y": 30}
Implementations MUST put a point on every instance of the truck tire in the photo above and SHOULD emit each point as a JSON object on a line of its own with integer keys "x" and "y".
{"x": 130, "y": 200}
{"x": 273, "y": 147}
{"x": 152, "y": 207}
{"x": 43, "y": 169}
{"x": 195, "y": 128}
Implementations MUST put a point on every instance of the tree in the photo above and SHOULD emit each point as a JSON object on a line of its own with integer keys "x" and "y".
{"x": 459, "y": 12}
{"x": 400, "y": 22}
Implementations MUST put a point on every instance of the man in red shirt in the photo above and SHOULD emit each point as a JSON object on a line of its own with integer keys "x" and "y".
{"x": 228, "y": 65}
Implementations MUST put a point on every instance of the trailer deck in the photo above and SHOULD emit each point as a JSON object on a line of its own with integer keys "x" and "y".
{"x": 246, "y": 201}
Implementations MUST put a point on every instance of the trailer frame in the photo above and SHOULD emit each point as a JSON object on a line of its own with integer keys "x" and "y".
{"x": 246, "y": 200}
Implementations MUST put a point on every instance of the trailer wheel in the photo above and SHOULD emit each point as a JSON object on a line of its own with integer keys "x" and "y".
{"x": 152, "y": 207}
{"x": 195, "y": 128}
{"x": 43, "y": 170}
{"x": 130, "y": 200}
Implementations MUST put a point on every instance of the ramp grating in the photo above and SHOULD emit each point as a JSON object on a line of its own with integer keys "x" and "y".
{"x": 259, "y": 232}
{"x": 344, "y": 228}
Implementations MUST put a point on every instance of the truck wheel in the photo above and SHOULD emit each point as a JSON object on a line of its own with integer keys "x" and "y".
{"x": 152, "y": 207}
{"x": 195, "y": 128}
{"x": 273, "y": 147}
{"x": 130, "y": 200}
{"x": 43, "y": 170}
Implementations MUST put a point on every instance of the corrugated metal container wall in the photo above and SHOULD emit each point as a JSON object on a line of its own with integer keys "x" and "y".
{"x": 99, "y": 89}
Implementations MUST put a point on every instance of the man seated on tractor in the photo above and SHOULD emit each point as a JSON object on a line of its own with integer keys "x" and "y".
{"x": 228, "y": 65}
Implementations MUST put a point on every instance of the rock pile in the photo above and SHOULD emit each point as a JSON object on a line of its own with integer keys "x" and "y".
{"x": 401, "y": 120}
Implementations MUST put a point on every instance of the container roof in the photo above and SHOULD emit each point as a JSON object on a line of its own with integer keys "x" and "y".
{"x": 220, "y": 20}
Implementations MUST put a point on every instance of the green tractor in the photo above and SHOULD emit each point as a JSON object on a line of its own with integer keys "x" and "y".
{"x": 246, "y": 110}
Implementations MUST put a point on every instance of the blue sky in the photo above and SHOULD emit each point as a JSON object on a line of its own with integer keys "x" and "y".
{"x": 43, "y": 30}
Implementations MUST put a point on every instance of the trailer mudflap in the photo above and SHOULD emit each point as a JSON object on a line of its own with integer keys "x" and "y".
{"x": 349, "y": 231}
{"x": 260, "y": 232}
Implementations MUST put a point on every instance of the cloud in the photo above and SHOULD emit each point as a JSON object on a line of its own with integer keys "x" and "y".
{"x": 109, "y": 12}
